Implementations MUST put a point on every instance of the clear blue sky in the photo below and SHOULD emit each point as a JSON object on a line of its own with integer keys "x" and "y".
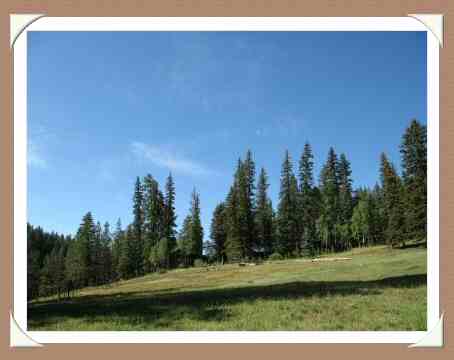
{"x": 105, "y": 107}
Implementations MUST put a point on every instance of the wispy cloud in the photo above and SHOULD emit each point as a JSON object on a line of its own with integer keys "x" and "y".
{"x": 34, "y": 157}
{"x": 169, "y": 159}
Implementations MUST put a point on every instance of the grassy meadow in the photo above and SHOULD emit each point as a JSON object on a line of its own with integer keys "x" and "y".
{"x": 378, "y": 289}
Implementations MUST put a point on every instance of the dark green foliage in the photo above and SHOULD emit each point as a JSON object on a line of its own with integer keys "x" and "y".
{"x": 196, "y": 226}
{"x": 218, "y": 232}
{"x": 233, "y": 243}
{"x": 264, "y": 217}
{"x": 126, "y": 267}
{"x": 116, "y": 250}
{"x": 308, "y": 213}
{"x": 160, "y": 255}
{"x": 185, "y": 242}
{"x": 414, "y": 164}
{"x": 329, "y": 187}
{"x": 190, "y": 240}
{"x": 169, "y": 215}
{"x": 154, "y": 212}
{"x": 106, "y": 264}
{"x": 343, "y": 231}
{"x": 393, "y": 192}
{"x": 287, "y": 216}
{"x": 137, "y": 239}
{"x": 249, "y": 205}
{"x": 345, "y": 190}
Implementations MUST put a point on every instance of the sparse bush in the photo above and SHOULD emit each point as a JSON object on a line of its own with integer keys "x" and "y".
{"x": 275, "y": 256}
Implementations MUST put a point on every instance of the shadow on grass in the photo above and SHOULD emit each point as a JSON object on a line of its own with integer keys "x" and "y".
{"x": 164, "y": 309}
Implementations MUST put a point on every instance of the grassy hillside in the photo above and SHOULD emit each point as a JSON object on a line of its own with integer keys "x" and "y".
{"x": 379, "y": 289}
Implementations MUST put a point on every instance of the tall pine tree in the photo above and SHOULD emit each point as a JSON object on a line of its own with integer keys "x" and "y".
{"x": 393, "y": 202}
{"x": 218, "y": 232}
{"x": 196, "y": 227}
{"x": 287, "y": 217}
{"x": 169, "y": 216}
{"x": 137, "y": 240}
{"x": 307, "y": 205}
{"x": 264, "y": 216}
{"x": 414, "y": 164}
{"x": 329, "y": 187}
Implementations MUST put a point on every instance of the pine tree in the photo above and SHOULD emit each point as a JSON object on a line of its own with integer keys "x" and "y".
{"x": 218, "y": 232}
{"x": 361, "y": 221}
{"x": 169, "y": 216}
{"x": 196, "y": 227}
{"x": 106, "y": 255}
{"x": 393, "y": 204}
{"x": 96, "y": 256}
{"x": 414, "y": 164}
{"x": 345, "y": 189}
{"x": 154, "y": 210}
{"x": 287, "y": 217}
{"x": 116, "y": 249}
{"x": 233, "y": 244}
{"x": 78, "y": 262}
{"x": 250, "y": 204}
{"x": 138, "y": 227}
{"x": 264, "y": 216}
{"x": 33, "y": 265}
{"x": 329, "y": 186}
{"x": 126, "y": 266}
{"x": 307, "y": 205}
{"x": 184, "y": 241}
{"x": 345, "y": 202}
{"x": 85, "y": 239}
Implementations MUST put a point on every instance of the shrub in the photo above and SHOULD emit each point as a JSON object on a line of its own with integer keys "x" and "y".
{"x": 275, "y": 256}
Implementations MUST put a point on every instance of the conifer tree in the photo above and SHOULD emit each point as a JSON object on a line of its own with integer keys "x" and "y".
{"x": 196, "y": 226}
{"x": 264, "y": 216}
{"x": 126, "y": 268}
{"x": 138, "y": 226}
{"x": 106, "y": 254}
{"x": 345, "y": 203}
{"x": 287, "y": 217}
{"x": 184, "y": 240}
{"x": 153, "y": 217}
{"x": 86, "y": 237}
{"x": 345, "y": 189}
{"x": 392, "y": 199}
{"x": 414, "y": 164}
{"x": 329, "y": 186}
{"x": 307, "y": 204}
{"x": 96, "y": 256}
{"x": 250, "y": 204}
{"x": 169, "y": 215}
{"x": 116, "y": 249}
{"x": 218, "y": 232}
{"x": 233, "y": 244}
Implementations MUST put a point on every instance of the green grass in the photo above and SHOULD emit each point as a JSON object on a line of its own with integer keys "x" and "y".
{"x": 379, "y": 289}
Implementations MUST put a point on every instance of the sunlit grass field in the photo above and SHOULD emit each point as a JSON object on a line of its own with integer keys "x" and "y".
{"x": 378, "y": 289}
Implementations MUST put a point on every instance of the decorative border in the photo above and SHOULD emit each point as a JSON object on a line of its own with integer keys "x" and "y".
{"x": 21, "y": 24}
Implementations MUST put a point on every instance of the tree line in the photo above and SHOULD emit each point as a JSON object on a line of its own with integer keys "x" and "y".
{"x": 309, "y": 219}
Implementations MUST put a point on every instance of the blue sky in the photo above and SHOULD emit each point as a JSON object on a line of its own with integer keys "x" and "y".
{"x": 105, "y": 107}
